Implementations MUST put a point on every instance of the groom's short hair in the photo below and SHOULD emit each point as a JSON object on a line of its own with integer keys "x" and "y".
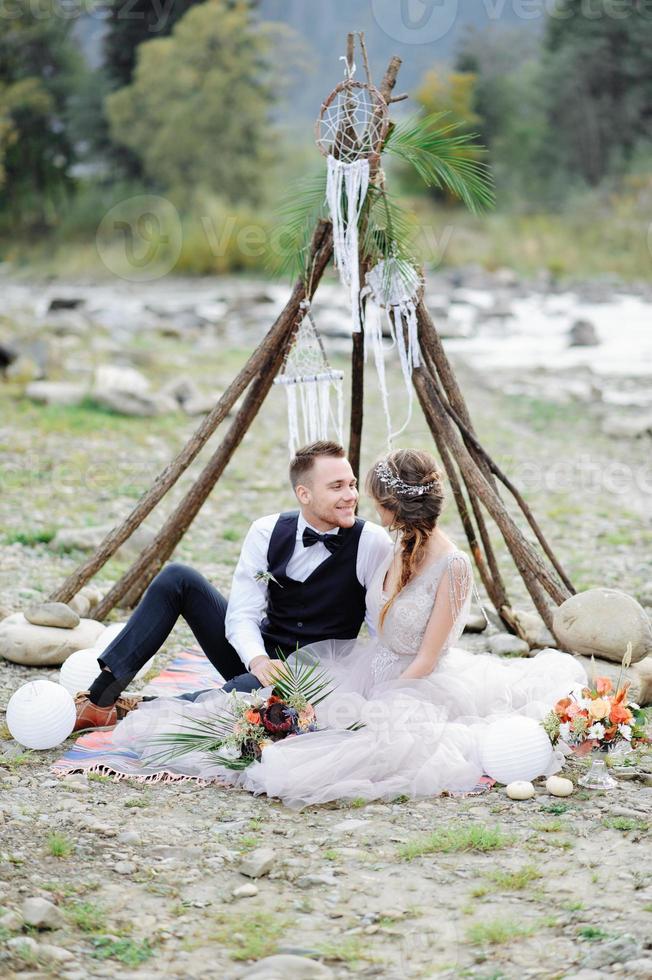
{"x": 305, "y": 457}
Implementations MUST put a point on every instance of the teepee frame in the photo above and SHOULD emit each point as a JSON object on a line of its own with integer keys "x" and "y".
{"x": 473, "y": 476}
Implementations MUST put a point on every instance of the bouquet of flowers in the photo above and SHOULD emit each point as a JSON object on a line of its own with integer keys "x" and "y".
{"x": 598, "y": 716}
{"x": 236, "y": 737}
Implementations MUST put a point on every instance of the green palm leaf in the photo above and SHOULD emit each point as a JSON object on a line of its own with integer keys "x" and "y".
{"x": 299, "y": 212}
{"x": 297, "y": 682}
{"x": 444, "y": 160}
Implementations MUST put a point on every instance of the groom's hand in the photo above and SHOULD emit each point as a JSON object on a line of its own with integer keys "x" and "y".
{"x": 264, "y": 669}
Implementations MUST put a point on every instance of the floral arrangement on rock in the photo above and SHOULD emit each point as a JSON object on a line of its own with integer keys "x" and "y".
{"x": 237, "y": 736}
{"x": 597, "y": 717}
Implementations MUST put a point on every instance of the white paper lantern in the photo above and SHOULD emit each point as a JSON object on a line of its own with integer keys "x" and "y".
{"x": 515, "y": 748}
{"x": 79, "y": 671}
{"x": 108, "y": 636}
{"x": 41, "y": 714}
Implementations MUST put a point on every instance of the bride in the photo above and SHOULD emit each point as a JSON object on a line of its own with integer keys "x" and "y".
{"x": 420, "y": 704}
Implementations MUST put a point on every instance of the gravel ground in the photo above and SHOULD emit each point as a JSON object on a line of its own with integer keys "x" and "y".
{"x": 147, "y": 881}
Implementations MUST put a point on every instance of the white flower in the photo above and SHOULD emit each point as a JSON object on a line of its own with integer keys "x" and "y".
{"x": 632, "y": 704}
{"x": 230, "y": 752}
{"x": 565, "y": 730}
{"x": 596, "y": 730}
{"x": 625, "y": 731}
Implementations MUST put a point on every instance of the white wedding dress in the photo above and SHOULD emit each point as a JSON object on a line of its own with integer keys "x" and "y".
{"x": 417, "y": 738}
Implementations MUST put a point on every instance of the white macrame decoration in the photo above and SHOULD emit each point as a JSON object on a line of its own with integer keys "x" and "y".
{"x": 393, "y": 285}
{"x": 350, "y": 131}
{"x": 308, "y": 380}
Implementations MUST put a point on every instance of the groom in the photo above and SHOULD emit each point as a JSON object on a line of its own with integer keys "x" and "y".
{"x": 301, "y": 577}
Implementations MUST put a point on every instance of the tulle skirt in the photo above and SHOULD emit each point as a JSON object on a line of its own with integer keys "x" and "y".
{"x": 415, "y": 738}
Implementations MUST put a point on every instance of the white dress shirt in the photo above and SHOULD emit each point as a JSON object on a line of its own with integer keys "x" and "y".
{"x": 248, "y": 600}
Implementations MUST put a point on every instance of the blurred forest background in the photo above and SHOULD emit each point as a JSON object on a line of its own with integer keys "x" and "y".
{"x": 210, "y": 106}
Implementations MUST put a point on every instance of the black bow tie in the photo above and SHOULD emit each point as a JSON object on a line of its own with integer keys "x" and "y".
{"x": 332, "y": 541}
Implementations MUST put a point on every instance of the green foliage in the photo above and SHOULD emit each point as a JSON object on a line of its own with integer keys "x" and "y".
{"x": 516, "y": 880}
{"x": 197, "y": 110}
{"x": 449, "y": 840}
{"x": 126, "y": 951}
{"x": 443, "y": 160}
{"x": 496, "y": 932}
{"x": 87, "y": 916}
{"x": 604, "y": 59}
{"x": 59, "y": 846}
{"x": 39, "y": 72}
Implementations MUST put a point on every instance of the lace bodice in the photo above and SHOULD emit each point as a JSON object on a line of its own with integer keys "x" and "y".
{"x": 409, "y": 614}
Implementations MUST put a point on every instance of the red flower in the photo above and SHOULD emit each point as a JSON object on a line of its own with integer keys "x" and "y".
{"x": 275, "y": 716}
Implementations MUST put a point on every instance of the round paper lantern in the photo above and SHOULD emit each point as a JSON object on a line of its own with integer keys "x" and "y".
{"x": 79, "y": 671}
{"x": 515, "y": 749}
{"x": 520, "y": 789}
{"x": 108, "y": 636}
{"x": 41, "y": 714}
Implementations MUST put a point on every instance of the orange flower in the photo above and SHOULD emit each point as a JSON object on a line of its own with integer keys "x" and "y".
{"x": 621, "y": 693}
{"x": 253, "y": 717}
{"x": 598, "y": 708}
{"x": 620, "y": 715}
{"x": 603, "y": 685}
{"x": 561, "y": 708}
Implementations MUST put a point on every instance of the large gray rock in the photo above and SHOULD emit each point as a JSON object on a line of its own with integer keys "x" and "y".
{"x": 258, "y": 862}
{"x": 602, "y": 622}
{"x": 52, "y": 614}
{"x": 583, "y": 334}
{"x": 41, "y": 914}
{"x": 140, "y": 405}
{"x": 285, "y": 965}
{"x": 44, "y": 646}
{"x": 506, "y": 645}
{"x": 89, "y": 538}
{"x": 624, "y": 426}
{"x": 56, "y": 392}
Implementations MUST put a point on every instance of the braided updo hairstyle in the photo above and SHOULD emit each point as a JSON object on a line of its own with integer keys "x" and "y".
{"x": 414, "y": 516}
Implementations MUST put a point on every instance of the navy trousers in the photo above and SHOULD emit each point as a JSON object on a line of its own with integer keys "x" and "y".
{"x": 177, "y": 590}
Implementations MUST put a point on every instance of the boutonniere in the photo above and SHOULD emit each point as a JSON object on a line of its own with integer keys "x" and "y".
{"x": 266, "y": 577}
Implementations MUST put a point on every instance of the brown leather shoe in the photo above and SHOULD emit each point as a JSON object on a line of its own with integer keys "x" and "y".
{"x": 89, "y": 715}
{"x": 127, "y": 703}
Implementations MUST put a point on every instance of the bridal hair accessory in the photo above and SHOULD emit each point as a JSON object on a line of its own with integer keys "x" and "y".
{"x": 399, "y": 486}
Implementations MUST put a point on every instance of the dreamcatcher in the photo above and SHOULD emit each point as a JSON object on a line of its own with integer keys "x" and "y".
{"x": 395, "y": 286}
{"x": 350, "y": 132}
{"x": 309, "y": 379}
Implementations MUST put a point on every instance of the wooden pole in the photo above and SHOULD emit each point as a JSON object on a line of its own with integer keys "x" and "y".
{"x": 357, "y": 354}
{"x": 533, "y": 570}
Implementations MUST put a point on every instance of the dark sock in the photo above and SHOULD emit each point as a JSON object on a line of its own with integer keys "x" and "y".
{"x": 105, "y": 689}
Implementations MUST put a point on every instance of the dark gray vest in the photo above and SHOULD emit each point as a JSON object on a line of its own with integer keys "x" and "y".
{"x": 329, "y": 605}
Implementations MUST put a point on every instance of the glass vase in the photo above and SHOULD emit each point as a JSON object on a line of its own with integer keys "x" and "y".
{"x": 597, "y": 776}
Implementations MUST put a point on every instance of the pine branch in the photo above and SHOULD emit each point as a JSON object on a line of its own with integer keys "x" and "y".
{"x": 444, "y": 160}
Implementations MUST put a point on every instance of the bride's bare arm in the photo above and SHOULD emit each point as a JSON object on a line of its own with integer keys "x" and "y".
{"x": 452, "y": 594}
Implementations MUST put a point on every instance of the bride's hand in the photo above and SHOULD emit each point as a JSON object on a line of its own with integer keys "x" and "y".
{"x": 264, "y": 669}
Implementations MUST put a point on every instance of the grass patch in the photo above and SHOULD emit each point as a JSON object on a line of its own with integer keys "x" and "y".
{"x": 30, "y": 538}
{"x": 625, "y": 823}
{"x": 252, "y": 937}
{"x": 87, "y": 916}
{"x": 358, "y": 802}
{"x": 126, "y": 951}
{"x": 247, "y": 843}
{"x": 516, "y": 880}
{"x": 349, "y": 950}
{"x": 59, "y": 846}
{"x": 497, "y": 932}
{"x": 555, "y": 808}
{"x": 136, "y": 804}
{"x": 549, "y": 827}
{"x": 592, "y": 934}
{"x": 453, "y": 839}
{"x": 331, "y": 855}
